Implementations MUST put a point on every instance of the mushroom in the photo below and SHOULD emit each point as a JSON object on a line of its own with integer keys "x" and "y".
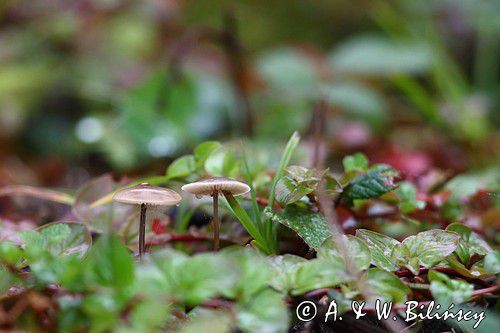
{"x": 213, "y": 187}
{"x": 146, "y": 195}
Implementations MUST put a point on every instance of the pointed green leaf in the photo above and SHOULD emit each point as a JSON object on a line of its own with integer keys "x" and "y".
{"x": 381, "y": 248}
{"x": 319, "y": 273}
{"x": 386, "y": 285}
{"x": 284, "y": 270}
{"x": 182, "y": 167}
{"x": 447, "y": 291}
{"x": 374, "y": 183}
{"x": 312, "y": 227}
{"x": 431, "y": 247}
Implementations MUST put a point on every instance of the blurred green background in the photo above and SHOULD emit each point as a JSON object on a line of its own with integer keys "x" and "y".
{"x": 90, "y": 86}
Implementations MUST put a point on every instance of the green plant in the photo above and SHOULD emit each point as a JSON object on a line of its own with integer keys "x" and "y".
{"x": 100, "y": 287}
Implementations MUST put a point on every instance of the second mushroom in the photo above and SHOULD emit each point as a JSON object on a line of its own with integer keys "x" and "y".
{"x": 214, "y": 187}
{"x": 146, "y": 195}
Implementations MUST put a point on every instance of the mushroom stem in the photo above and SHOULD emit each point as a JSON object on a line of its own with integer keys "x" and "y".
{"x": 142, "y": 231}
{"x": 216, "y": 220}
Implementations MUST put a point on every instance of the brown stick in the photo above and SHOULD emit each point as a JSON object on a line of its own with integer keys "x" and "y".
{"x": 489, "y": 290}
{"x": 216, "y": 221}
{"x": 142, "y": 231}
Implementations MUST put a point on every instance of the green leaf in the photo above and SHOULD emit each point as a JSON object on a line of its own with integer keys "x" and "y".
{"x": 386, "y": 285}
{"x": 191, "y": 280}
{"x": 357, "y": 101}
{"x": 203, "y": 151}
{"x": 7, "y": 279}
{"x": 464, "y": 186}
{"x": 55, "y": 232}
{"x": 10, "y": 252}
{"x": 288, "y": 191}
{"x": 356, "y": 162}
{"x": 150, "y": 315}
{"x": 447, "y": 291}
{"x": 492, "y": 262}
{"x": 311, "y": 226}
{"x": 103, "y": 310}
{"x": 264, "y": 313}
{"x": 254, "y": 272}
{"x": 296, "y": 183}
{"x": 470, "y": 243}
{"x": 379, "y": 56}
{"x": 289, "y": 72}
{"x": 201, "y": 277}
{"x": 408, "y": 196}
{"x": 34, "y": 243}
{"x": 223, "y": 164}
{"x": 66, "y": 238}
{"x": 462, "y": 250}
{"x": 319, "y": 273}
{"x": 476, "y": 271}
{"x": 110, "y": 262}
{"x": 182, "y": 167}
{"x": 69, "y": 272}
{"x": 285, "y": 269}
{"x": 358, "y": 253}
{"x": 374, "y": 183}
{"x": 381, "y": 248}
{"x": 430, "y": 247}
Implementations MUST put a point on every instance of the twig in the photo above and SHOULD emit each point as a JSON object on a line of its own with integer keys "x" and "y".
{"x": 168, "y": 238}
{"x": 490, "y": 290}
{"x": 340, "y": 240}
{"x": 318, "y": 128}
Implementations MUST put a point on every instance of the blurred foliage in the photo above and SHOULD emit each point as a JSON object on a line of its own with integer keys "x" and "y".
{"x": 131, "y": 82}
{"x": 173, "y": 91}
{"x": 101, "y": 287}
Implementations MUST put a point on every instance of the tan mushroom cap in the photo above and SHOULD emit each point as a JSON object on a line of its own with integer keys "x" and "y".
{"x": 147, "y": 194}
{"x": 216, "y": 184}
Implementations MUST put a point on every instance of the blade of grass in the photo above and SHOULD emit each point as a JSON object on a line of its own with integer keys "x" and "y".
{"x": 256, "y": 214}
{"x": 41, "y": 193}
{"x": 247, "y": 223}
{"x": 271, "y": 228}
{"x": 248, "y": 176}
{"x": 285, "y": 159}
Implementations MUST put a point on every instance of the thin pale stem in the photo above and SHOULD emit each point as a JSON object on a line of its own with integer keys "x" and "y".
{"x": 142, "y": 231}
{"x": 216, "y": 221}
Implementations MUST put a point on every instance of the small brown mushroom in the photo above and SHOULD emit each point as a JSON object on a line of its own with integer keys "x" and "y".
{"x": 213, "y": 187}
{"x": 144, "y": 195}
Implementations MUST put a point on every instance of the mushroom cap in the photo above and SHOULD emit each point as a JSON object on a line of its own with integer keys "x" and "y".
{"x": 216, "y": 184}
{"x": 147, "y": 194}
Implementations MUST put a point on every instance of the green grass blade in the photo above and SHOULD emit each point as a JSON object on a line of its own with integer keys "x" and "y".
{"x": 285, "y": 159}
{"x": 248, "y": 176}
{"x": 247, "y": 223}
{"x": 271, "y": 229}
